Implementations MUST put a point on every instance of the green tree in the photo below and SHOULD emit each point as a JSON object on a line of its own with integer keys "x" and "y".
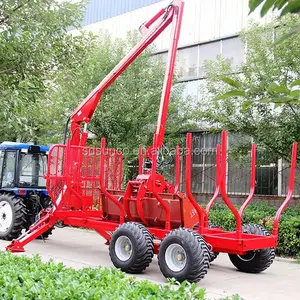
{"x": 127, "y": 112}
{"x": 262, "y": 99}
{"x": 35, "y": 50}
{"x": 285, "y": 6}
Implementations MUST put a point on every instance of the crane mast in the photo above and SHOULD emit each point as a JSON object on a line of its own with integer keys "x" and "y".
{"x": 83, "y": 114}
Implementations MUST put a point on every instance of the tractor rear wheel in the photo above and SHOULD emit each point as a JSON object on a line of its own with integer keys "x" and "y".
{"x": 46, "y": 204}
{"x": 12, "y": 216}
{"x": 254, "y": 261}
{"x": 131, "y": 248}
{"x": 183, "y": 255}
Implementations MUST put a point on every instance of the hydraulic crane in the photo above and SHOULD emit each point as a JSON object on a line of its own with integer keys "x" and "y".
{"x": 150, "y": 216}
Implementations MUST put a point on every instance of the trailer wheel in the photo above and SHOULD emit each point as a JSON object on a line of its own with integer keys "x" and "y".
{"x": 212, "y": 254}
{"x": 254, "y": 261}
{"x": 183, "y": 255}
{"x": 12, "y": 217}
{"x": 131, "y": 248}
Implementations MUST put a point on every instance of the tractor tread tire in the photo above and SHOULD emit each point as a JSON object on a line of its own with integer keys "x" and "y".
{"x": 46, "y": 234}
{"x": 197, "y": 255}
{"x": 262, "y": 259}
{"x": 142, "y": 247}
{"x": 19, "y": 215}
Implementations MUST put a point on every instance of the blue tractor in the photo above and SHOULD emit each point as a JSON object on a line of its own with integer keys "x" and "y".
{"x": 23, "y": 193}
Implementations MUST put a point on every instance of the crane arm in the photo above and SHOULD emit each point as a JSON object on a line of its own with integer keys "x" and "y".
{"x": 150, "y": 30}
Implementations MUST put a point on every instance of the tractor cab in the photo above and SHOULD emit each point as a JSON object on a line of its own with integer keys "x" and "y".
{"x": 23, "y": 193}
{"x": 22, "y": 167}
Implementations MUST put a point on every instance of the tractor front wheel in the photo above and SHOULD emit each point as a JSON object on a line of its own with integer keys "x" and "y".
{"x": 131, "y": 248}
{"x": 254, "y": 261}
{"x": 184, "y": 255}
{"x": 12, "y": 216}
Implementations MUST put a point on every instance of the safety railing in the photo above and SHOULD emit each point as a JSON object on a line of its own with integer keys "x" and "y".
{"x": 86, "y": 172}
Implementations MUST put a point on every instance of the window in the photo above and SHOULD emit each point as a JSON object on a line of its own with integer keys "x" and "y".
{"x": 208, "y": 52}
{"x": 32, "y": 167}
{"x": 190, "y": 61}
{"x": 8, "y": 179}
{"x": 187, "y": 62}
{"x": 233, "y": 49}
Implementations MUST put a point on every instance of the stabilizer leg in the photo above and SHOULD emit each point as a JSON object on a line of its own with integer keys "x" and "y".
{"x": 43, "y": 224}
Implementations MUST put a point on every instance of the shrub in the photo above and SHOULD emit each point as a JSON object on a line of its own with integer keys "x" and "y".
{"x": 289, "y": 236}
{"x": 289, "y": 228}
{"x": 22, "y": 277}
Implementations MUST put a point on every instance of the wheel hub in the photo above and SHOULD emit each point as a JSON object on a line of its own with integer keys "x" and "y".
{"x": 123, "y": 248}
{"x": 127, "y": 248}
{"x": 180, "y": 257}
{"x": 175, "y": 257}
{"x": 6, "y": 214}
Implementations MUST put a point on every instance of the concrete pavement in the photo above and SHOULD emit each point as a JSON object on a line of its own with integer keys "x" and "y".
{"x": 79, "y": 248}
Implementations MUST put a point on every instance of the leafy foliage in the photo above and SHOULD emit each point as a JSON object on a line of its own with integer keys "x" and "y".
{"x": 46, "y": 72}
{"x": 35, "y": 49}
{"x": 263, "y": 97}
{"x": 286, "y": 6}
{"x": 28, "y": 278}
{"x": 289, "y": 227}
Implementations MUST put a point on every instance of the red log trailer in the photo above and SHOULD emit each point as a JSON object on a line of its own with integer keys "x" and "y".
{"x": 150, "y": 216}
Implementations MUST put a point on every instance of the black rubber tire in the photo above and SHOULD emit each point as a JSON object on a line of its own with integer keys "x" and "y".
{"x": 213, "y": 254}
{"x": 254, "y": 261}
{"x": 197, "y": 255}
{"x": 47, "y": 203}
{"x": 60, "y": 224}
{"x": 18, "y": 217}
{"x": 46, "y": 234}
{"x": 142, "y": 247}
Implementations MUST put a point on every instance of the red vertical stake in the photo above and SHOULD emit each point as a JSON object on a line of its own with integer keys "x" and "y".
{"x": 141, "y": 150}
{"x": 223, "y": 185}
{"x": 252, "y": 181}
{"x": 107, "y": 162}
{"x": 290, "y": 189}
{"x": 188, "y": 168}
{"x": 217, "y": 190}
{"x": 177, "y": 170}
{"x": 120, "y": 169}
{"x": 115, "y": 170}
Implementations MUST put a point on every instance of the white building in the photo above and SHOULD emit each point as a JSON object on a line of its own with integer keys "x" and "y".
{"x": 209, "y": 28}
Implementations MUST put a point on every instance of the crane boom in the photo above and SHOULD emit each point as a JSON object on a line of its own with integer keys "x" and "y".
{"x": 150, "y": 30}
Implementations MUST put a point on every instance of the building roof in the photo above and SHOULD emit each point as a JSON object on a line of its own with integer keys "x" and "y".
{"x": 98, "y": 10}
{"x": 19, "y": 146}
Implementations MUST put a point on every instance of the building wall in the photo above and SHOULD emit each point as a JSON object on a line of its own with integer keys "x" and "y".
{"x": 209, "y": 28}
{"x": 203, "y": 20}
